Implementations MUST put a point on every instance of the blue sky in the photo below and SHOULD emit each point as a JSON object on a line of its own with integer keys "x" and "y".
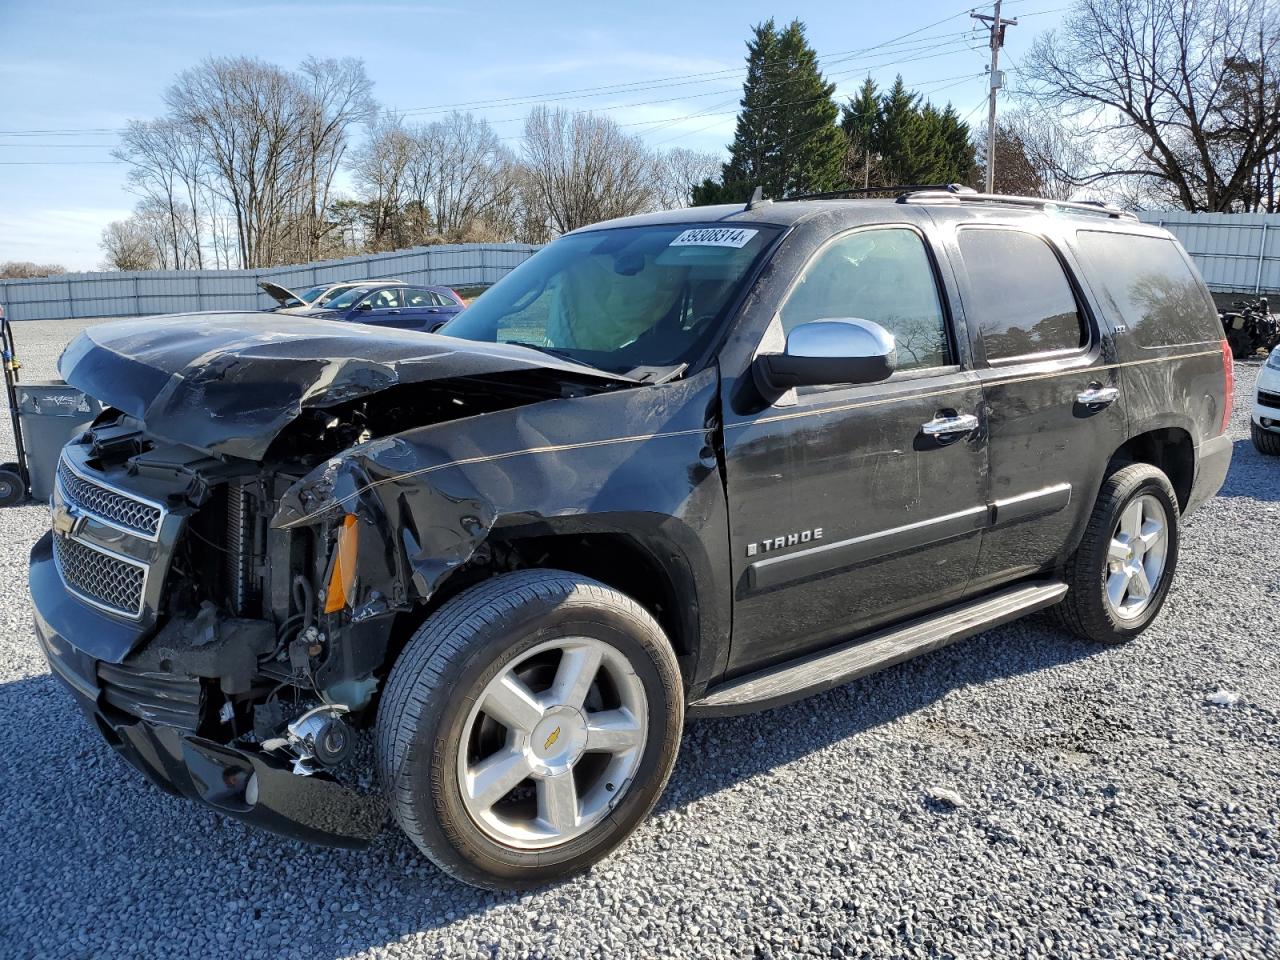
{"x": 84, "y": 68}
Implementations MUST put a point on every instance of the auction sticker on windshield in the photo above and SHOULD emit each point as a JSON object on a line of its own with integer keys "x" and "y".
{"x": 714, "y": 237}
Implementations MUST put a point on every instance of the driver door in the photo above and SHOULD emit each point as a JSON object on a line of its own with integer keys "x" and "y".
{"x": 844, "y": 514}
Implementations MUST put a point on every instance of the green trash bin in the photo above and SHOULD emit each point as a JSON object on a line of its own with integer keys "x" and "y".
{"x": 50, "y": 412}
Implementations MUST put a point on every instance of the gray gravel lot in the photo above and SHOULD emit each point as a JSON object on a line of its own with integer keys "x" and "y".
{"x": 1106, "y": 807}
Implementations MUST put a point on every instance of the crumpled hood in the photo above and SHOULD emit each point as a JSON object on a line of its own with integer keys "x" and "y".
{"x": 230, "y": 382}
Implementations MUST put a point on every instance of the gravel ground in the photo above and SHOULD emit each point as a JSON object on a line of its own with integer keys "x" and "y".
{"x": 1021, "y": 793}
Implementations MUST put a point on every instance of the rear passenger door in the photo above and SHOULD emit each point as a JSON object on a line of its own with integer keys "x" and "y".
{"x": 844, "y": 514}
{"x": 425, "y": 308}
{"x": 387, "y": 309}
{"x": 1054, "y": 409}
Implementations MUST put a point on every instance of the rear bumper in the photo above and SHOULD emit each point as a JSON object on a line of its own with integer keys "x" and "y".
{"x": 239, "y": 782}
{"x": 1213, "y": 460}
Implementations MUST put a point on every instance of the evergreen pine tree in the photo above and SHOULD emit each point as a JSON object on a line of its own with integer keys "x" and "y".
{"x": 860, "y": 121}
{"x": 786, "y": 140}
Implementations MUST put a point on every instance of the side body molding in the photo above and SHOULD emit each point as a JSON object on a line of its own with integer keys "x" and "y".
{"x": 827, "y": 557}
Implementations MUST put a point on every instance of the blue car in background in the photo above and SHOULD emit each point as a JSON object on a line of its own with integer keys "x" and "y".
{"x": 385, "y": 303}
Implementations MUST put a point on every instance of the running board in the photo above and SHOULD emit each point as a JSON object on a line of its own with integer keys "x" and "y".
{"x": 826, "y": 669}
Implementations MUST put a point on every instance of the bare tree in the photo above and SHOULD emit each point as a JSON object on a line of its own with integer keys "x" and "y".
{"x": 165, "y": 160}
{"x": 1036, "y": 156}
{"x": 381, "y": 173}
{"x": 338, "y": 95}
{"x": 271, "y": 143}
{"x": 678, "y": 171}
{"x": 583, "y": 168}
{"x": 470, "y": 175}
{"x": 127, "y": 245}
{"x": 1182, "y": 95}
{"x": 1015, "y": 172}
{"x": 26, "y": 270}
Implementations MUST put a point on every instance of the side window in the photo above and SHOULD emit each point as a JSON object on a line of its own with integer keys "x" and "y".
{"x": 419, "y": 298}
{"x": 1150, "y": 287}
{"x": 882, "y": 275}
{"x": 386, "y": 299}
{"x": 1022, "y": 301}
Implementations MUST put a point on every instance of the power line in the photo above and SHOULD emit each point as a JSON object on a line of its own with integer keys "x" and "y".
{"x": 602, "y": 90}
{"x": 928, "y": 47}
{"x": 939, "y": 50}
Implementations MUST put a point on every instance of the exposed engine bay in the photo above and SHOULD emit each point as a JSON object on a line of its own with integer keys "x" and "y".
{"x": 260, "y": 624}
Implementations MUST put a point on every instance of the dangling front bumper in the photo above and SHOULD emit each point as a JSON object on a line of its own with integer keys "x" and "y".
{"x": 241, "y": 782}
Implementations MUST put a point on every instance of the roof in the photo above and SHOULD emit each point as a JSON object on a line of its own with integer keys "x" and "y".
{"x": 872, "y": 210}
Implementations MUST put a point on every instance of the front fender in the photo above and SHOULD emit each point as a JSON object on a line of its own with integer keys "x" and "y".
{"x": 638, "y": 461}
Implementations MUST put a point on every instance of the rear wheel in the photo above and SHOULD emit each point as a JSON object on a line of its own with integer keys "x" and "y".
{"x": 1120, "y": 574}
{"x": 1265, "y": 442}
{"x": 528, "y": 727}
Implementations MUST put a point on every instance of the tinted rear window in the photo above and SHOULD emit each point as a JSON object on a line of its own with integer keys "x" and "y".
{"x": 1022, "y": 300}
{"x": 1148, "y": 286}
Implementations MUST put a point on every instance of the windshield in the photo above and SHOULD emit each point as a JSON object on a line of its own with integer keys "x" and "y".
{"x": 304, "y": 298}
{"x": 345, "y": 300}
{"x": 620, "y": 299}
{"x": 308, "y": 295}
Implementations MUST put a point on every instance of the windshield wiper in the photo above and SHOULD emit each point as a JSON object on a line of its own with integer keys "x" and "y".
{"x": 550, "y": 351}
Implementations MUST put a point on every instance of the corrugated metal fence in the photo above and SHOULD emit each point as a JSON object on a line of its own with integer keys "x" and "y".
{"x": 176, "y": 291}
{"x": 1236, "y": 252}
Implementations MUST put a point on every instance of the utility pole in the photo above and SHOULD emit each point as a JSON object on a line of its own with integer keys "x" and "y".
{"x": 996, "y": 27}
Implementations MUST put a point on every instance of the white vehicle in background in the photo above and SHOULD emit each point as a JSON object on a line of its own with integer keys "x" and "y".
{"x": 1264, "y": 425}
{"x": 317, "y": 296}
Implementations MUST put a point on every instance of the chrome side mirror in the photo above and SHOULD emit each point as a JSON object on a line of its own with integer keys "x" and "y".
{"x": 846, "y": 350}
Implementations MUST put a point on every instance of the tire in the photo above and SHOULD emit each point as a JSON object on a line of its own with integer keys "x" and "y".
{"x": 1087, "y": 610}
{"x": 434, "y": 721}
{"x": 1266, "y": 442}
{"x": 11, "y": 488}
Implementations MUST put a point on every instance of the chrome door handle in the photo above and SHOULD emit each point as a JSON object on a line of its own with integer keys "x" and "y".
{"x": 1097, "y": 395}
{"x": 950, "y": 428}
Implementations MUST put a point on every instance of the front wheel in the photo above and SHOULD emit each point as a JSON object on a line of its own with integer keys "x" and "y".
{"x": 1119, "y": 576}
{"x": 1266, "y": 442}
{"x": 527, "y": 728}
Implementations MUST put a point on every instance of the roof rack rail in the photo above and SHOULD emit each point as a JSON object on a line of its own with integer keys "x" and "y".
{"x": 898, "y": 190}
{"x": 1095, "y": 207}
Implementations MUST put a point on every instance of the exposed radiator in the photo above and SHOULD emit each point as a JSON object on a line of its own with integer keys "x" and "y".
{"x": 239, "y": 545}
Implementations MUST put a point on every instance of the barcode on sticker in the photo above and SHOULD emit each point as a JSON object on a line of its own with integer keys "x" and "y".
{"x": 714, "y": 237}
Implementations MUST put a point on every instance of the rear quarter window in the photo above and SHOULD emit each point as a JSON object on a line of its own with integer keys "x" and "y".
{"x": 1147, "y": 285}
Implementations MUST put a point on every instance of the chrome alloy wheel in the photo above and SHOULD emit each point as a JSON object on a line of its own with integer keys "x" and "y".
{"x": 552, "y": 743}
{"x": 1136, "y": 557}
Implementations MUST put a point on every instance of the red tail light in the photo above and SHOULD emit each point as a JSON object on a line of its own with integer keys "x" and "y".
{"x": 1228, "y": 385}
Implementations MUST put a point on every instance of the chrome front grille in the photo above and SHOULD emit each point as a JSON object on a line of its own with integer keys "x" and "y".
{"x": 103, "y": 579}
{"x": 110, "y": 505}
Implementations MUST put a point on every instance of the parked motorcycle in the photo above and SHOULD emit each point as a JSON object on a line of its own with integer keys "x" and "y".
{"x": 1250, "y": 328}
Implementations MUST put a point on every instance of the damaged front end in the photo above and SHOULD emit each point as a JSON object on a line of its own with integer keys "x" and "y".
{"x": 222, "y": 586}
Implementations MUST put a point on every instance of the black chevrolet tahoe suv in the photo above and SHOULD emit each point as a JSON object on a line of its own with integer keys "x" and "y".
{"x": 683, "y": 464}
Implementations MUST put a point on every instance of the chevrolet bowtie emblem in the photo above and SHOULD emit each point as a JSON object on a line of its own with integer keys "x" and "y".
{"x": 551, "y": 740}
{"x": 65, "y": 522}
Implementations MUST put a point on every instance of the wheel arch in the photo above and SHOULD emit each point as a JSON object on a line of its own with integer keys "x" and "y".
{"x": 1169, "y": 449}
{"x": 650, "y": 571}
